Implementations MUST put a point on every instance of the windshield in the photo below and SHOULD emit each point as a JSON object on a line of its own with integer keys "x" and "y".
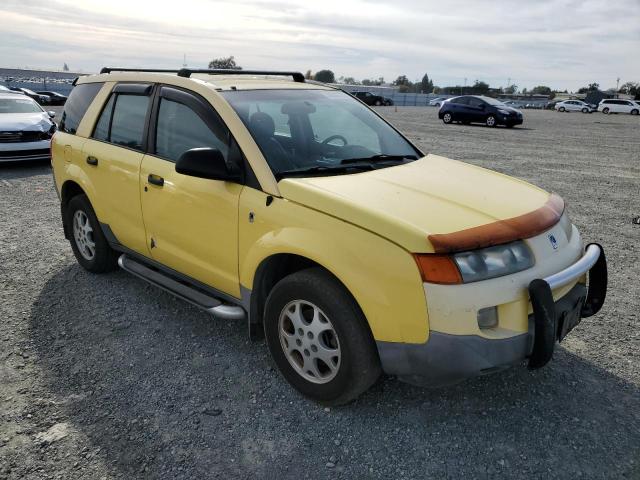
{"x": 318, "y": 131}
{"x": 18, "y": 105}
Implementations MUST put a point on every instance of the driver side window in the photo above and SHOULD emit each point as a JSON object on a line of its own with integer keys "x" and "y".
{"x": 180, "y": 129}
{"x": 328, "y": 121}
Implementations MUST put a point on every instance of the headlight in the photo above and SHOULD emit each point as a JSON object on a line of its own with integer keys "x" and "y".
{"x": 493, "y": 262}
{"x": 504, "y": 112}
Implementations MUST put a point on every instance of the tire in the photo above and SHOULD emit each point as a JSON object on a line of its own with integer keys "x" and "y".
{"x": 88, "y": 243}
{"x": 317, "y": 295}
{"x": 634, "y": 111}
{"x": 447, "y": 117}
{"x": 605, "y": 110}
{"x": 585, "y": 110}
{"x": 378, "y": 103}
{"x": 491, "y": 121}
{"x": 438, "y": 105}
{"x": 561, "y": 109}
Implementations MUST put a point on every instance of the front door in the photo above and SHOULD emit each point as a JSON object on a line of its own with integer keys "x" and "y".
{"x": 191, "y": 223}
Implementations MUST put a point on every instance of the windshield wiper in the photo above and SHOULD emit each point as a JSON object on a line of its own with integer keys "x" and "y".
{"x": 301, "y": 172}
{"x": 379, "y": 158}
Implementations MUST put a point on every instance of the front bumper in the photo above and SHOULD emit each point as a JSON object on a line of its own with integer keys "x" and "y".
{"x": 446, "y": 359}
{"x": 19, "y": 151}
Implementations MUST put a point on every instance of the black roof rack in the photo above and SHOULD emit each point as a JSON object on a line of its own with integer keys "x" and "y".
{"x": 152, "y": 70}
{"x": 186, "y": 72}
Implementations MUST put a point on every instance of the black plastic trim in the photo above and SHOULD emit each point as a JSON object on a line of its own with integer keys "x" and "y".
{"x": 545, "y": 324}
{"x": 187, "y": 72}
{"x": 598, "y": 280}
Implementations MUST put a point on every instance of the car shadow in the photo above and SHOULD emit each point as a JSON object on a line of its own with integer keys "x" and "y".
{"x": 500, "y": 127}
{"x": 165, "y": 389}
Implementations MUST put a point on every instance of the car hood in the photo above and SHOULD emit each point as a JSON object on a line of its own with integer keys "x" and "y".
{"x": 425, "y": 204}
{"x": 37, "y": 121}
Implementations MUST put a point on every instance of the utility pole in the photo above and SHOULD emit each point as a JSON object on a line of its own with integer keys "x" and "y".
{"x": 617, "y": 84}
{"x": 184, "y": 60}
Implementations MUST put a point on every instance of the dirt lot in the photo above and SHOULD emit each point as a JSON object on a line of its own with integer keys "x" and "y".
{"x": 107, "y": 377}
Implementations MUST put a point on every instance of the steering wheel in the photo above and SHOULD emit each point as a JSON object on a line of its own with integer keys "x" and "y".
{"x": 328, "y": 140}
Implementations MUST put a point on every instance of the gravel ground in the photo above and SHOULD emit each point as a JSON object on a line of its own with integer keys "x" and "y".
{"x": 107, "y": 377}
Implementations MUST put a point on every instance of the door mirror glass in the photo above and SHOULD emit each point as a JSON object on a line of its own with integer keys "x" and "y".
{"x": 206, "y": 163}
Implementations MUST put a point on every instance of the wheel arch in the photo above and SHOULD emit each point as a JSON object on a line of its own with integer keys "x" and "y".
{"x": 269, "y": 272}
{"x": 70, "y": 189}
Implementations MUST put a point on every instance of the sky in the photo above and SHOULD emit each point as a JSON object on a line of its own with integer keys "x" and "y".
{"x": 564, "y": 44}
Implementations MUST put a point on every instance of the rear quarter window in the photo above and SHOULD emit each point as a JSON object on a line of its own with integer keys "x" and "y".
{"x": 77, "y": 104}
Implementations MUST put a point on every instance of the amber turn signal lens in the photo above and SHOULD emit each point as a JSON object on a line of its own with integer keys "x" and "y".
{"x": 436, "y": 268}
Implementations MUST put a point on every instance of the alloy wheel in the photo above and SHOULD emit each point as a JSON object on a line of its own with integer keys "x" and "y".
{"x": 83, "y": 235}
{"x": 309, "y": 341}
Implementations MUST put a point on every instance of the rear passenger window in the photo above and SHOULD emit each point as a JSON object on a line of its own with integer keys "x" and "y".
{"x": 127, "y": 125}
{"x": 77, "y": 104}
{"x": 101, "y": 131}
{"x": 122, "y": 120}
{"x": 180, "y": 129}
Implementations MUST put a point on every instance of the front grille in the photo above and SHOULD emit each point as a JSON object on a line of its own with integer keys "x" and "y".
{"x": 24, "y": 136}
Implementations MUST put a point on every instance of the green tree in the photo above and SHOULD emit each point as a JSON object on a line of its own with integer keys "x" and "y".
{"x": 511, "y": 89}
{"x": 349, "y": 81}
{"x": 480, "y": 87}
{"x": 631, "y": 88}
{"x": 541, "y": 90}
{"x": 426, "y": 85}
{"x": 403, "y": 83}
{"x": 592, "y": 87}
{"x": 325, "y": 76}
{"x": 228, "y": 63}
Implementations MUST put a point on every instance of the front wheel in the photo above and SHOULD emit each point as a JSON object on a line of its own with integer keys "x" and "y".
{"x": 88, "y": 243}
{"x": 634, "y": 111}
{"x": 585, "y": 110}
{"x": 605, "y": 111}
{"x": 319, "y": 338}
{"x": 378, "y": 103}
{"x": 491, "y": 121}
{"x": 447, "y": 118}
{"x": 561, "y": 109}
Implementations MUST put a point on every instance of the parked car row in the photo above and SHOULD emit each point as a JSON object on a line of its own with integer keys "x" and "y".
{"x": 42, "y": 97}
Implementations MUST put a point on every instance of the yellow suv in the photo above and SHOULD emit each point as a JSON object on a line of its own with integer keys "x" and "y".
{"x": 265, "y": 197}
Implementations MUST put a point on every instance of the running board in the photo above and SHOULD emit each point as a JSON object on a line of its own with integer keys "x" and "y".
{"x": 181, "y": 290}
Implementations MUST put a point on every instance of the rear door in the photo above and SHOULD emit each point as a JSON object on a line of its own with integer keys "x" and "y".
{"x": 191, "y": 223}
{"x": 112, "y": 157}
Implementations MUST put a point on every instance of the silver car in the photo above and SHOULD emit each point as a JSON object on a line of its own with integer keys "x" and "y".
{"x": 25, "y": 129}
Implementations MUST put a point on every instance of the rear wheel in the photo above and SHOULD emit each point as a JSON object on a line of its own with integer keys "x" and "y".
{"x": 491, "y": 121}
{"x": 605, "y": 110}
{"x": 319, "y": 338}
{"x": 88, "y": 243}
{"x": 447, "y": 117}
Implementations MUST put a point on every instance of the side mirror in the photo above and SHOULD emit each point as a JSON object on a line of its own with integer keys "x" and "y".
{"x": 51, "y": 114}
{"x": 206, "y": 163}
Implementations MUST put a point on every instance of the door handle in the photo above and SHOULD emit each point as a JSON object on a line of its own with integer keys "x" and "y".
{"x": 155, "y": 180}
{"x": 91, "y": 160}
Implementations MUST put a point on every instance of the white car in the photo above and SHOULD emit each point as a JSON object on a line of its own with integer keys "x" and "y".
{"x": 25, "y": 129}
{"x": 436, "y": 102}
{"x": 574, "y": 106}
{"x": 619, "y": 106}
